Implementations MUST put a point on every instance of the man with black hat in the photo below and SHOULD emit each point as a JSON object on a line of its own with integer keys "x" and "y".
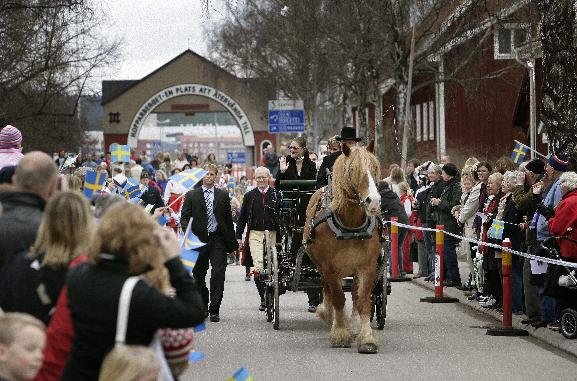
{"x": 347, "y": 137}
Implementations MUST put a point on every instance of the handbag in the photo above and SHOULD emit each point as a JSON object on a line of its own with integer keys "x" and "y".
{"x": 122, "y": 324}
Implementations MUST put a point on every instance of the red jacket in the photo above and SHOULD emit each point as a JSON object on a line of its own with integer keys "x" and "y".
{"x": 566, "y": 218}
{"x": 58, "y": 336}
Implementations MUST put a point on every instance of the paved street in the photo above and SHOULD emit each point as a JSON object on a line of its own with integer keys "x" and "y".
{"x": 420, "y": 340}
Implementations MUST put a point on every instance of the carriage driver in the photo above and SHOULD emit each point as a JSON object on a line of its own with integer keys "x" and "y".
{"x": 258, "y": 214}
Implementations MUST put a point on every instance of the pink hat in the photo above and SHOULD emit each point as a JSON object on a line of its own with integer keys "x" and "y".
{"x": 10, "y": 137}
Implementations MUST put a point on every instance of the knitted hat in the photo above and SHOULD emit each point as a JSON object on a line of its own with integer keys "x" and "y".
{"x": 537, "y": 166}
{"x": 451, "y": 169}
{"x": 559, "y": 162}
{"x": 10, "y": 137}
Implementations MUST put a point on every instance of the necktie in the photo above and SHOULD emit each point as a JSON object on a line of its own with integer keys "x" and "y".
{"x": 209, "y": 210}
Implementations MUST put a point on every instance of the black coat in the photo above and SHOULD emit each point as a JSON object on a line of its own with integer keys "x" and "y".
{"x": 308, "y": 170}
{"x": 31, "y": 288}
{"x": 255, "y": 214}
{"x": 328, "y": 163}
{"x": 434, "y": 192}
{"x": 93, "y": 294}
{"x": 511, "y": 229}
{"x": 391, "y": 206}
{"x": 194, "y": 207}
{"x": 19, "y": 223}
{"x": 152, "y": 197}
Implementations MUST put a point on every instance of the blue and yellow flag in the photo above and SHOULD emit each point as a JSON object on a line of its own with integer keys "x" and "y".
{"x": 190, "y": 240}
{"x": 93, "y": 182}
{"x": 131, "y": 188}
{"x": 241, "y": 375}
{"x": 519, "y": 153}
{"x": 119, "y": 153}
{"x": 189, "y": 258}
{"x": 189, "y": 177}
{"x": 231, "y": 182}
{"x": 496, "y": 229}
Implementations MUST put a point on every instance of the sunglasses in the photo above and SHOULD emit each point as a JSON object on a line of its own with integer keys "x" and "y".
{"x": 294, "y": 147}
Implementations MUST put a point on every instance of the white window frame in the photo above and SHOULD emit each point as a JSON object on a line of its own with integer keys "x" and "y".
{"x": 512, "y": 27}
{"x": 425, "y": 121}
{"x": 418, "y": 125}
{"x": 431, "y": 120}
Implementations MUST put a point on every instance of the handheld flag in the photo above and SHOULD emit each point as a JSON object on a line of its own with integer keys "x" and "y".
{"x": 241, "y": 375}
{"x": 70, "y": 160}
{"x": 120, "y": 153}
{"x": 189, "y": 177}
{"x": 519, "y": 153}
{"x": 162, "y": 220}
{"x": 93, "y": 182}
{"x": 496, "y": 229}
{"x": 136, "y": 201}
{"x": 132, "y": 188}
{"x": 189, "y": 258}
{"x": 190, "y": 240}
{"x": 231, "y": 182}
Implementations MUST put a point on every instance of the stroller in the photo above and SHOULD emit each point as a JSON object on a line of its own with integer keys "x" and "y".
{"x": 561, "y": 283}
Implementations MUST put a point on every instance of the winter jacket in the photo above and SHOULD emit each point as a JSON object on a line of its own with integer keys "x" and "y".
{"x": 30, "y": 287}
{"x": 18, "y": 224}
{"x": 328, "y": 163}
{"x": 430, "y": 211}
{"x": 513, "y": 217}
{"x": 93, "y": 294}
{"x": 391, "y": 206}
{"x": 470, "y": 205}
{"x": 10, "y": 156}
{"x": 565, "y": 218}
{"x": 450, "y": 197}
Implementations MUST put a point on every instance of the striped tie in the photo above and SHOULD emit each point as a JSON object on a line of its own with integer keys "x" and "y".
{"x": 210, "y": 211}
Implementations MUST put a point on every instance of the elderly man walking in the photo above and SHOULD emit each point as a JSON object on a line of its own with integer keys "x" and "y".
{"x": 35, "y": 182}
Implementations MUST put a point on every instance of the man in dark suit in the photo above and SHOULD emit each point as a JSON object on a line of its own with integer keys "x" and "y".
{"x": 209, "y": 209}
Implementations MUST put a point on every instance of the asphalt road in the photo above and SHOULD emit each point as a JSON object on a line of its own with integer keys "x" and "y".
{"x": 420, "y": 341}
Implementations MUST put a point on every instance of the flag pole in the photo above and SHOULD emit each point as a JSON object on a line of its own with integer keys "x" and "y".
{"x": 531, "y": 149}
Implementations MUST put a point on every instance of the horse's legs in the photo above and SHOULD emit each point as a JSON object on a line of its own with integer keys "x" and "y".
{"x": 325, "y": 309}
{"x": 367, "y": 342}
{"x": 340, "y": 335}
{"x": 355, "y": 321}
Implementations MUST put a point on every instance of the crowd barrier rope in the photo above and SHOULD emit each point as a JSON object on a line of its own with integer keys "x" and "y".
{"x": 488, "y": 244}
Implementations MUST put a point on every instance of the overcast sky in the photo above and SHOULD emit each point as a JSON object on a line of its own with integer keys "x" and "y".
{"x": 154, "y": 31}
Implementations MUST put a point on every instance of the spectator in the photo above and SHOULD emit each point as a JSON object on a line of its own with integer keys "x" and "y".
{"x": 194, "y": 162}
{"x": 61, "y": 158}
{"x": 128, "y": 242}
{"x": 391, "y": 207}
{"x": 565, "y": 219}
{"x": 136, "y": 169}
{"x": 35, "y": 182}
{"x": 407, "y": 202}
{"x": 6, "y": 174}
{"x": 412, "y": 175}
{"x": 89, "y": 161}
{"x": 22, "y": 340}
{"x": 270, "y": 160}
{"x": 33, "y": 280}
{"x": 187, "y": 155}
{"x": 449, "y": 198}
{"x": 10, "y": 146}
{"x": 158, "y": 159}
{"x": 397, "y": 177}
{"x": 172, "y": 198}
{"x": 436, "y": 185}
{"x": 166, "y": 165}
{"x": 257, "y": 215}
{"x": 161, "y": 180}
{"x": 504, "y": 164}
{"x": 150, "y": 194}
{"x": 209, "y": 208}
{"x": 130, "y": 363}
{"x": 211, "y": 158}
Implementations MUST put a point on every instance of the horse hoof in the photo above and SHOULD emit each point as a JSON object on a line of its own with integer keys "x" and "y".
{"x": 368, "y": 348}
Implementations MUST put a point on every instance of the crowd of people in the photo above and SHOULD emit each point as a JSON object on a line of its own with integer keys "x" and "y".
{"x": 65, "y": 260}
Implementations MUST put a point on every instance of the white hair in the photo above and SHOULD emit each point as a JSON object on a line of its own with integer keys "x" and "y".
{"x": 262, "y": 169}
{"x": 568, "y": 181}
{"x": 510, "y": 176}
{"x": 435, "y": 168}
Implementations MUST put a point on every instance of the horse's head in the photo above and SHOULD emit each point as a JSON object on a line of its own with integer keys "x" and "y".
{"x": 354, "y": 175}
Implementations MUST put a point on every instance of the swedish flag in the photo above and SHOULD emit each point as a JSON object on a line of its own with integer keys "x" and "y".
{"x": 496, "y": 229}
{"x": 93, "y": 182}
{"x": 132, "y": 188}
{"x": 241, "y": 375}
{"x": 189, "y": 177}
{"x": 189, "y": 258}
{"x": 119, "y": 153}
{"x": 191, "y": 241}
{"x": 519, "y": 153}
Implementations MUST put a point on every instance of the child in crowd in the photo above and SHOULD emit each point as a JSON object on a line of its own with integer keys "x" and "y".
{"x": 22, "y": 341}
{"x": 130, "y": 363}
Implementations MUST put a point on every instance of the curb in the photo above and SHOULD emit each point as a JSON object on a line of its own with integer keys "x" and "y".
{"x": 555, "y": 339}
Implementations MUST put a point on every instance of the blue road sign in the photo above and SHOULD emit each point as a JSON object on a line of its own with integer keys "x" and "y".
{"x": 286, "y": 121}
{"x": 235, "y": 157}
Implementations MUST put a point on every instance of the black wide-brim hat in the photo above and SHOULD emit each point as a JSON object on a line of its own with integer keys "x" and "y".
{"x": 348, "y": 133}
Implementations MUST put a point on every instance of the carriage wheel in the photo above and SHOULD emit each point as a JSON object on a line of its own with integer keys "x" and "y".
{"x": 276, "y": 291}
{"x": 381, "y": 299}
{"x": 269, "y": 292}
{"x": 569, "y": 323}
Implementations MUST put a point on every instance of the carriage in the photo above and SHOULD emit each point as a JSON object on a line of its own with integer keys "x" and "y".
{"x": 289, "y": 267}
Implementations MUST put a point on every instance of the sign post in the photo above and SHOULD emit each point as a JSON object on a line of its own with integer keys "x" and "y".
{"x": 286, "y": 115}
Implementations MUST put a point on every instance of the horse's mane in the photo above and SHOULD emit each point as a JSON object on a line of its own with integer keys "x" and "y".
{"x": 349, "y": 175}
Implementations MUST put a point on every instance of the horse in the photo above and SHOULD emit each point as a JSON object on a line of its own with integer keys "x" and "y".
{"x": 355, "y": 201}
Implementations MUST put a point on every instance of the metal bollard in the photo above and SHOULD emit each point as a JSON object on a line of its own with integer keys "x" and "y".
{"x": 439, "y": 274}
{"x": 506, "y": 328}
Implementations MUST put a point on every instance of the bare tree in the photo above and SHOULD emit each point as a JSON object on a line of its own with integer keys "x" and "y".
{"x": 49, "y": 50}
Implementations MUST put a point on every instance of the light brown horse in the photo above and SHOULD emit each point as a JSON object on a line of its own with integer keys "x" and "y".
{"x": 355, "y": 196}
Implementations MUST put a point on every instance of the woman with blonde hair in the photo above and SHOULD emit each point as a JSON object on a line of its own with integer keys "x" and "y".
{"x": 128, "y": 242}
{"x": 33, "y": 280}
{"x": 130, "y": 363}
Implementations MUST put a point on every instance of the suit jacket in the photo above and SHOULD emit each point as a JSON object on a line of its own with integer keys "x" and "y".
{"x": 328, "y": 162}
{"x": 194, "y": 207}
